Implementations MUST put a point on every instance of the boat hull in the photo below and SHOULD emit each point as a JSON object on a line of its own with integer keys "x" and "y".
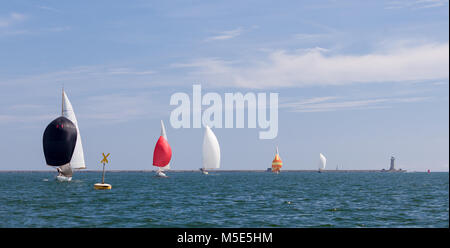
{"x": 160, "y": 174}
{"x": 63, "y": 179}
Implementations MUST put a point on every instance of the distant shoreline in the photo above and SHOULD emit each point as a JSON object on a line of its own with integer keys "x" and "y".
{"x": 224, "y": 171}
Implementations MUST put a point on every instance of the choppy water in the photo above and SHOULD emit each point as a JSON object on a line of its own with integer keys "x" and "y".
{"x": 226, "y": 199}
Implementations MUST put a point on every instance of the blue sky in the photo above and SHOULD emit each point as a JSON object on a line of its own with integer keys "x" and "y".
{"x": 358, "y": 81}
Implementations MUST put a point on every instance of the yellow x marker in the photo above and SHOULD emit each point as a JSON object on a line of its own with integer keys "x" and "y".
{"x": 104, "y": 160}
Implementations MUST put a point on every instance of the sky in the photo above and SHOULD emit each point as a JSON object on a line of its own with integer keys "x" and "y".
{"x": 359, "y": 81}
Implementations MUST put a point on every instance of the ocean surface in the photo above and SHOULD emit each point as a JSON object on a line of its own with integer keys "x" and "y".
{"x": 226, "y": 199}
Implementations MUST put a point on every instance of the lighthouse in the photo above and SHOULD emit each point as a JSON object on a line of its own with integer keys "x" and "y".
{"x": 392, "y": 164}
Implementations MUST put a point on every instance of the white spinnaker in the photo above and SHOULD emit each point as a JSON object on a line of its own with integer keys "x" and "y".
{"x": 323, "y": 161}
{"x": 77, "y": 161}
{"x": 163, "y": 133}
{"x": 211, "y": 150}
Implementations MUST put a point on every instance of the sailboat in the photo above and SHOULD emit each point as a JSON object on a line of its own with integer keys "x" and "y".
{"x": 211, "y": 151}
{"x": 277, "y": 163}
{"x": 58, "y": 141}
{"x": 57, "y": 134}
{"x": 322, "y": 162}
{"x": 162, "y": 153}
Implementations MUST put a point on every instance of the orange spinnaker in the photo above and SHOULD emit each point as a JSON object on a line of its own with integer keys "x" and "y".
{"x": 277, "y": 164}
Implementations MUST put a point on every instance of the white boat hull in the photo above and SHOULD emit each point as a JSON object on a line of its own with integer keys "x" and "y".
{"x": 63, "y": 179}
{"x": 160, "y": 174}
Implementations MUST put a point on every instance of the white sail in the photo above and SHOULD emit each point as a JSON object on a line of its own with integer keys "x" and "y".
{"x": 323, "y": 162}
{"x": 163, "y": 133}
{"x": 77, "y": 161}
{"x": 211, "y": 150}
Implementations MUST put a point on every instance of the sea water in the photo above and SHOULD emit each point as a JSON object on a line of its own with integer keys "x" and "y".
{"x": 225, "y": 199}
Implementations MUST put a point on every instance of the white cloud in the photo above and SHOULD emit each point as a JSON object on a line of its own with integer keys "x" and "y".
{"x": 326, "y": 104}
{"x": 102, "y": 109}
{"x": 56, "y": 29}
{"x": 9, "y": 26}
{"x": 121, "y": 107}
{"x": 33, "y": 107}
{"x": 49, "y": 9}
{"x": 226, "y": 35}
{"x": 418, "y": 4}
{"x": 441, "y": 83}
{"x": 204, "y": 66}
{"x": 128, "y": 71}
{"x": 301, "y": 68}
{"x": 101, "y": 74}
{"x": 11, "y": 19}
{"x": 24, "y": 118}
{"x": 311, "y": 37}
{"x": 79, "y": 82}
{"x": 314, "y": 67}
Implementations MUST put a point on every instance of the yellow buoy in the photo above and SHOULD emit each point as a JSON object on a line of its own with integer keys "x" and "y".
{"x": 102, "y": 186}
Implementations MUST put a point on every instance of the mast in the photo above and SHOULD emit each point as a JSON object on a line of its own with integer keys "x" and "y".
{"x": 62, "y": 101}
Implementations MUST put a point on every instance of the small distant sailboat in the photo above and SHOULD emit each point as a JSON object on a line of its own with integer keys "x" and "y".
{"x": 162, "y": 153}
{"x": 277, "y": 163}
{"x": 57, "y": 141}
{"x": 211, "y": 151}
{"x": 322, "y": 163}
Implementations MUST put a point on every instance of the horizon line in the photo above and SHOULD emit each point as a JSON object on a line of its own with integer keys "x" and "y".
{"x": 178, "y": 171}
